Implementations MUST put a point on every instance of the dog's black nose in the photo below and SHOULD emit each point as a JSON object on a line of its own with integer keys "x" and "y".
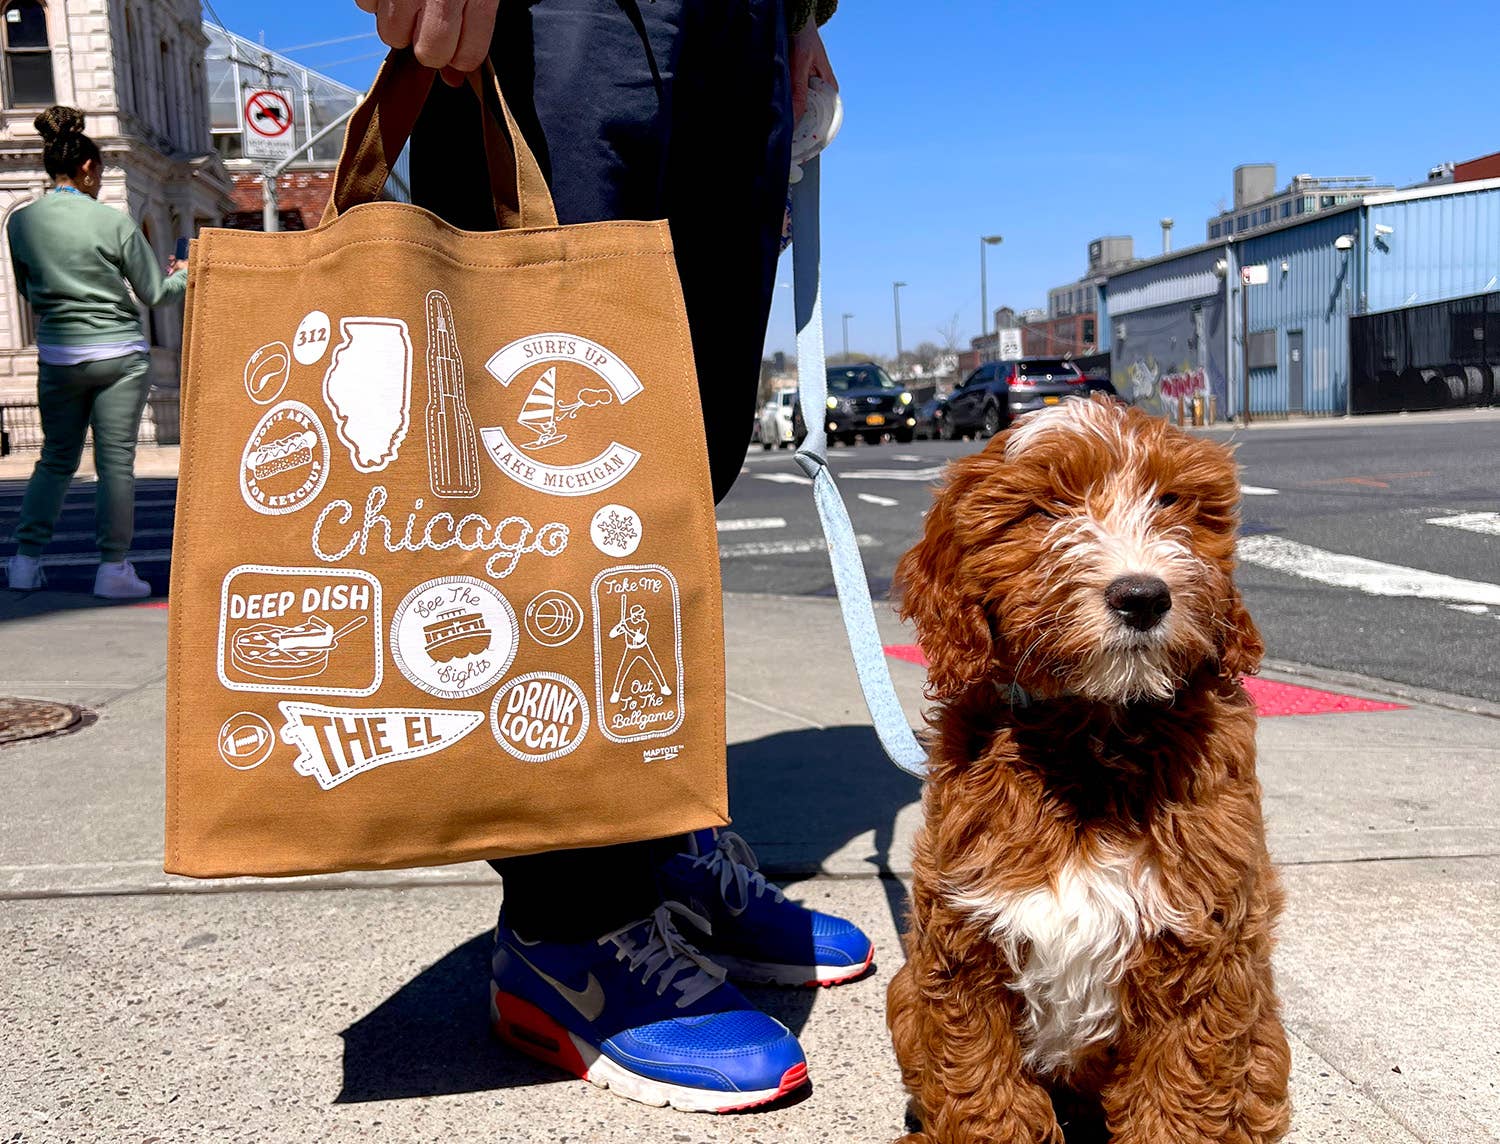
{"x": 1140, "y": 601}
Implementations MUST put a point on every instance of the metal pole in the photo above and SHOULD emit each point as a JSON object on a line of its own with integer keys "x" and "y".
{"x": 270, "y": 207}
{"x": 1244, "y": 350}
{"x": 896, "y": 296}
{"x": 984, "y": 298}
{"x": 846, "y": 335}
{"x": 270, "y": 174}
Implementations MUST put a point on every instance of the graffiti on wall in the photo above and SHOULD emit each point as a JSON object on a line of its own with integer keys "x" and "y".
{"x": 1171, "y": 354}
{"x": 1147, "y": 385}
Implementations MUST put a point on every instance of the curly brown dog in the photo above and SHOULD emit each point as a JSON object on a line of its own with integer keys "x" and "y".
{"x": 1093, "y": 904}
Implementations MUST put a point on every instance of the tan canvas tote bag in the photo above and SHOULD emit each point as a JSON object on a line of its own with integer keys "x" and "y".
{"x": 445, "y": 576}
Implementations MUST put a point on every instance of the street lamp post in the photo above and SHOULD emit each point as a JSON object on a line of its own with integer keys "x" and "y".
{"x": 896, "y": 296}
{"x": 984, "y": 287}
{"x": 846, "y": 335}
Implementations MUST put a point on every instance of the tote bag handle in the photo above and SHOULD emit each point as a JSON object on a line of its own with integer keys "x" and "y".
{"x": 383, "y": 122}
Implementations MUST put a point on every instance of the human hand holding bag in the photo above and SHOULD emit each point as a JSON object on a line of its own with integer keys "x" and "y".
{"x": 446, "y": 576}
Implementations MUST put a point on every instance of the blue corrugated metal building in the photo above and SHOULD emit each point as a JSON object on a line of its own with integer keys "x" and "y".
{"x": 1173, "y": 323}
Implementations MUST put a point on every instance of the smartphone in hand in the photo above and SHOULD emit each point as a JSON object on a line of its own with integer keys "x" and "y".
{"x": 181, "y": 253}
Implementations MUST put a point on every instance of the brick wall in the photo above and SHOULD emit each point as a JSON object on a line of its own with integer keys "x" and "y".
{"x": 302, "y": 193}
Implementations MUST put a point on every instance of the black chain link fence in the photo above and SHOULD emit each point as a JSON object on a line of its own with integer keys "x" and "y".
{"x": 1438, "y": 356}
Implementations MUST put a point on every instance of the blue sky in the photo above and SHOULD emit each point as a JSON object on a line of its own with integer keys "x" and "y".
{"x": 1055, "y": 124}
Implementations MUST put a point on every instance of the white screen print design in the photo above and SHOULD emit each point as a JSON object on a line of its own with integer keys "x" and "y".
{"x": 452, "y": 450}
{"x": 553, "y": 399}
{"x": 310, "y": 630}
{"x": 336, "y": 743}
{"x": 540, "y": 717}
{"x": 637, "y": 652}
{"x": 285, "y": 462}
{"x": 454, "y": 636}
{"x": 368, "y": 389}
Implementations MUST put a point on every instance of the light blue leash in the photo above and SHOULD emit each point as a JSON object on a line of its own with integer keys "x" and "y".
{"x": 843, "y": 551}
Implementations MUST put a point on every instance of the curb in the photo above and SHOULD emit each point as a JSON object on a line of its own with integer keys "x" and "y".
{"x": 1386, "y": 688}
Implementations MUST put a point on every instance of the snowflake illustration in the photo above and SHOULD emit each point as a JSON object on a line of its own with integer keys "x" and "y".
{"x": 617, "y": 531}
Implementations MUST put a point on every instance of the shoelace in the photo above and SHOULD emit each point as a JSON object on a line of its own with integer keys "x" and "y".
{"x": 737, "y": 867}
{"x": 666, "y": 953}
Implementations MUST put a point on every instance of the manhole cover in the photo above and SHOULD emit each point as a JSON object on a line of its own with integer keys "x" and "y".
{"x": 34, "y": 718}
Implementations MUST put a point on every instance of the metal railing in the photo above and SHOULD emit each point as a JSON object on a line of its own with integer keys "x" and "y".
{"x": 21, "y": 424}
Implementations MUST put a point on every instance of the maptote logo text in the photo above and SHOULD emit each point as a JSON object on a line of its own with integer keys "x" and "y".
{"x": 661, "y": 754}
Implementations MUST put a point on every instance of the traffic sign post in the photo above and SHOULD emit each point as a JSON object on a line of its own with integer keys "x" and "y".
{"x": 1257, "y": 275}
{"x": 268, "y": 135}
{"x": 268, "y": 120}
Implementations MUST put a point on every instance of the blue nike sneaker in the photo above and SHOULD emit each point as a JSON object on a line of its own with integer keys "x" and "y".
{"x": 757, "y": 935}
{"x": 643, "y": 1013}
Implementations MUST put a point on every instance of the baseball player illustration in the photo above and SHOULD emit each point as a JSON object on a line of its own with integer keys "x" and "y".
{"x": 636, "y": 629}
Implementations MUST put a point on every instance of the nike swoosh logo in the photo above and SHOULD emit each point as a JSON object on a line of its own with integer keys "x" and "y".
{"x": 589, "y": 1002}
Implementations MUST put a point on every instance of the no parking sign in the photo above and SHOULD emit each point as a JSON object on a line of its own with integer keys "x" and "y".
{"x": 268, "y": 119}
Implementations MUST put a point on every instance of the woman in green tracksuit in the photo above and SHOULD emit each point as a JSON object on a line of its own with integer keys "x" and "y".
{"x": 73, "y": 257}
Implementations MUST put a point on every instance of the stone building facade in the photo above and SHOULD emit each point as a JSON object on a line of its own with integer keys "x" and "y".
{"x": 136, "y": 69}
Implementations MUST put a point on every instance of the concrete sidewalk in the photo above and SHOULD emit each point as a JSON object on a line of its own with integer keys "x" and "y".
{"x": 141, "y": 1007}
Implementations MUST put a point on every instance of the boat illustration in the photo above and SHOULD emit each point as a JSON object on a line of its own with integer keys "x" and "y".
{"x": 542, "y": 412}
{"x": 539, "y": 414}
{"x": 455, "y": 634}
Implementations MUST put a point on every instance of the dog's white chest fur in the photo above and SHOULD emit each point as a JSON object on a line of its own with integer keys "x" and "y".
{"x": 1069, "y": 947}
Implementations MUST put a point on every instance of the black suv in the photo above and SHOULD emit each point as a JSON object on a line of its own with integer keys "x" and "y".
{"x": 863, "y": 401}
{"x": 998, "y": 391}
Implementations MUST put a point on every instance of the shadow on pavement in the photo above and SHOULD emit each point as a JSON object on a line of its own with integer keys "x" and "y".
{"x": 431, "y": 1037}
{"x": 819, "y": 788}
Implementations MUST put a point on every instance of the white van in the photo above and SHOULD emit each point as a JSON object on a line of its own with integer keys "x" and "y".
{"x": 776, "y": 420}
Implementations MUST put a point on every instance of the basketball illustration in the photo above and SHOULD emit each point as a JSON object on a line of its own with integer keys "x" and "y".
{"x": 554, "y": 618}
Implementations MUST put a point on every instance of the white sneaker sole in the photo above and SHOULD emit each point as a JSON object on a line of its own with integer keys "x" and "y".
{"x": 773, "y": 973}
{"x": 524, "y": 1027}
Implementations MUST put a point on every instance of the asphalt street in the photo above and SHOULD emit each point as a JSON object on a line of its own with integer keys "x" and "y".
{"x": 1343, "y": 565}
{"x": 1418, "y": 604}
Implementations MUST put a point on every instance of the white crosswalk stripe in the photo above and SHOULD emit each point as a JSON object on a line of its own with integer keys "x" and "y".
{"x": 1484, "y": 523}
{"x": 1258, "y": 491}
{"x": 883, "y": 502}
{"x": 784, "y": 547}
{"x": 752, "y": 524}
{"x": 928, "y": 474}
{"x": 783, "y": 478}
{"x": 1373, "y": 577}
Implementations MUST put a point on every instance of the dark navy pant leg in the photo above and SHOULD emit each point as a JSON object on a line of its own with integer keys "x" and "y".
{"x": 676, "y": 109}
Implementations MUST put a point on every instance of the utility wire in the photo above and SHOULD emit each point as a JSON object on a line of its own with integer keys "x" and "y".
{"x": 327, "y": 43}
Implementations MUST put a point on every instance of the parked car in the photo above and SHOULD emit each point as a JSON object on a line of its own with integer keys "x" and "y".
{"x": 930, "y": 415}
{"x": 863, "y": 401}
{"x": 997, "y": 392}
{"x": 776, "y": 420}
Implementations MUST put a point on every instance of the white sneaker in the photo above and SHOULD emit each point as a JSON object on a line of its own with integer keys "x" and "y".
{"x": 119, "y": 582}
{"x": 25, "y": 573}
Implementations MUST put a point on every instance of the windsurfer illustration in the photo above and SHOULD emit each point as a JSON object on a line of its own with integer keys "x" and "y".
{"x": 541, "y": 413}
{"x": 636, "y": 630}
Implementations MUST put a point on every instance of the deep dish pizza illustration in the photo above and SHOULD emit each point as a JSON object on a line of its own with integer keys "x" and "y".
{"x": 288, "y": 651}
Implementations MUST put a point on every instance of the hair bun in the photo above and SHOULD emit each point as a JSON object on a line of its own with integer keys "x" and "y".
{"x": 59, "y": 122}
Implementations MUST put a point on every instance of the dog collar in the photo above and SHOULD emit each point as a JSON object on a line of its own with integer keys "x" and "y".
{"x": 1014, "y": 694}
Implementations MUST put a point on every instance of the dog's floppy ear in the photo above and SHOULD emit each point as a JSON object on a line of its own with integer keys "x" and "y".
{"x": 940, "y": 597}
{"x": 1238, "y": 641}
